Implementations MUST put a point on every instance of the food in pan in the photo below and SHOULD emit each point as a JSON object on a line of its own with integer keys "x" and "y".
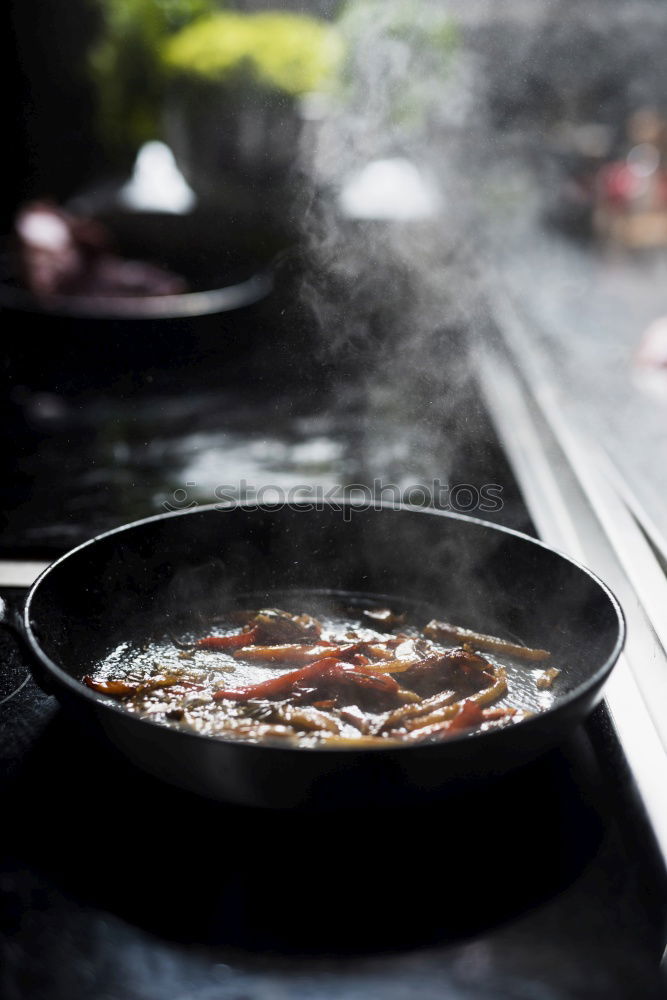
{"x": 362, "y": 677}
{"x": 64, "y": 254}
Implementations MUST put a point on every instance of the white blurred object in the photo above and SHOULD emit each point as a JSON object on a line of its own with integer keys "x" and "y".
{"x": 650, "y": 372}
{"x": 43, "y": 229}
{"x": 653, "y": 347}
{"x": 392, "y": 189}
{"x": 157, "y": 185}
{"x": 643, "y": 159}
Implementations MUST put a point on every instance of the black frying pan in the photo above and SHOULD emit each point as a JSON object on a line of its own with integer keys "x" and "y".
{"x": 178, "y": 570}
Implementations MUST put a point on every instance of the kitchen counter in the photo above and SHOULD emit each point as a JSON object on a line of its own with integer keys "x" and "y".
{"x": 585, "y": 311}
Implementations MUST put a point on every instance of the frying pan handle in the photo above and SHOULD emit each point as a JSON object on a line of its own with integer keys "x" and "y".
{"x": 11, "y": 620}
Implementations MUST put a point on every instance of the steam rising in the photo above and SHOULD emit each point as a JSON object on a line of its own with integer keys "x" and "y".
{"x": 484, "y": 104}
{"x": 390, "y": 276}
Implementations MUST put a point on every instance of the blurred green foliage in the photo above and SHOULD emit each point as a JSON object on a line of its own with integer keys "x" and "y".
{"x": 145, "y": 43}
{"x": 424, "y": 24}
{"x": 403, "y": 47}
{"x": 291, "y": 53}
{"x": 127, "y": 66}
{"x": 399, "y": 53}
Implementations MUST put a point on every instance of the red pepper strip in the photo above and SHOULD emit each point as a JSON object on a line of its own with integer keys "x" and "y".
{"x": 289, "y": 653}
{"x": 491, "y": 714}
{"x": 227, "y": 641}
{"x": 351, "y": 650}
{"x": 278, "y": 686}
{"x": 326, "y": 669}
{"x": 367, "y": 677}
{"x": 121, "y": 689}
{"x": 117, "y": 689}
{"x": 469, "y": 715}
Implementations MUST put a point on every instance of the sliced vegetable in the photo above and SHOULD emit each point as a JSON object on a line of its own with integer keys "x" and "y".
{"x": 444, "y": 631}
{"x": 226, "y": 643}
{"x": 546, "y": 678}
{"x": 292, "y": 653}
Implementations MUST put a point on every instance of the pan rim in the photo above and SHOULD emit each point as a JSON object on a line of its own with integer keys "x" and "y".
{"x": 588, "y": 686}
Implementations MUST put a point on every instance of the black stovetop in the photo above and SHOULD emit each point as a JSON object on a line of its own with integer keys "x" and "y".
{"x": 545, "y": 884}
{"x": 541, "y": 885}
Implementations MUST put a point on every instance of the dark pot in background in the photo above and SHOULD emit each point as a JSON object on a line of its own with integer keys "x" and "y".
{"x": 239, "y": 271}
{"x": 233, "y": 144}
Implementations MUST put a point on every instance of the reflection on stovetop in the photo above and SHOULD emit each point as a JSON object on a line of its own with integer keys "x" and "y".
{"x": 83, "y": 462}
{"x": 119, "y": 886}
